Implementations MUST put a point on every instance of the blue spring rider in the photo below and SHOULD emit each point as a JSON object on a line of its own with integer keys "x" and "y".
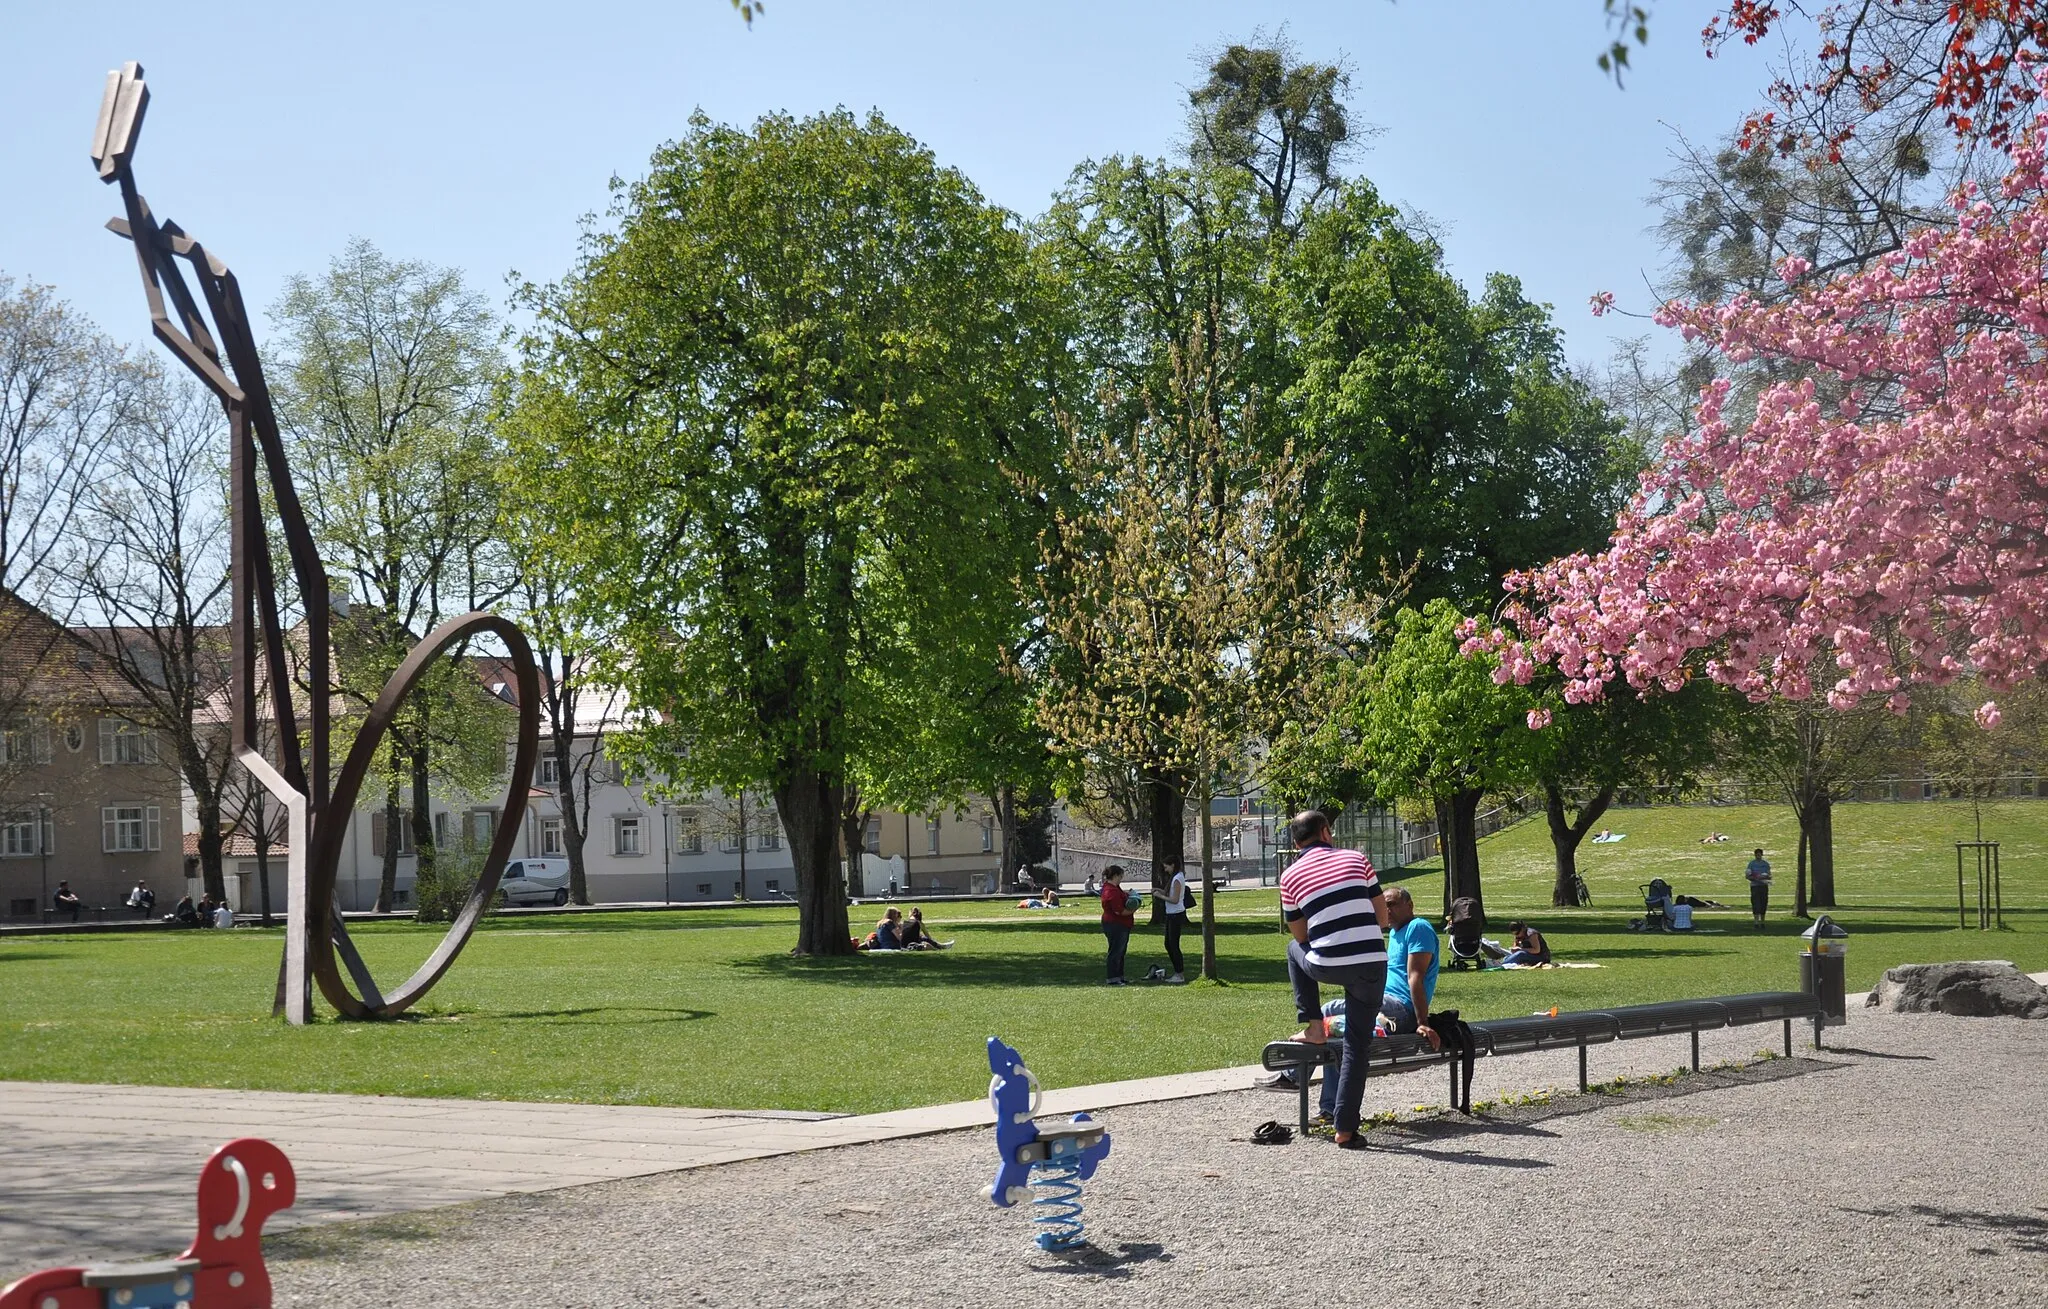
{"x": 1053, "y": 1157}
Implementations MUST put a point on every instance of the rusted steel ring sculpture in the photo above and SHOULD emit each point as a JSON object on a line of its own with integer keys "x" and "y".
{"x": 222, "y": 354}
{"x": 326, "y": 856}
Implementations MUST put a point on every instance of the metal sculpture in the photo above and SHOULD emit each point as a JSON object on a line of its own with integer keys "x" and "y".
{"x": 243, "y": 1184}
{"x": 1053, "y": 1157}
{"x": 222, "y": 354}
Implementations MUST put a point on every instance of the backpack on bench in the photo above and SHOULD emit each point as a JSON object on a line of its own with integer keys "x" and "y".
{"x": 1456, "y": 1034}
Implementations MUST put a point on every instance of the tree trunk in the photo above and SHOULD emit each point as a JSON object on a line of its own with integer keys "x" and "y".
{"x": 1799, "y": 882}
{"x": 1011, "y": 862}
{"x": 1461, "y": 844}
{"x": 1169, "y": 831}
{"x": 1565, "y": 838}
{"x": 1444, "y": 852}
{"x": 743, "y": 843}
{"x": 1208, "y": 891}
{"x": 572, "y": 829}
{"x": 1820, "y": 827}
{"x": 262, "y": 837}
{"x": 209, "y": 851}
{"x": 422, "y": 821}
{"x": 394, "y": 824}
{"x": 853, "y": 839}
{"x": 811, "y": 807}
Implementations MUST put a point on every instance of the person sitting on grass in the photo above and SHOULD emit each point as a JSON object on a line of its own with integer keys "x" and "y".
{"x": 889, "y": 932}
{"x": 1530, "y": 947}
{"x": 917, "y": 937}
{"x": 186, "y": 912}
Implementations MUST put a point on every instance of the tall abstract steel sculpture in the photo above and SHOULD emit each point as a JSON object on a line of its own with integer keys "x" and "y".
{"x": 223, "y": 355}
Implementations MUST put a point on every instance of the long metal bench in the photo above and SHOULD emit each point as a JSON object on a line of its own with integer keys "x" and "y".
{"x": 1579, "y": 1028}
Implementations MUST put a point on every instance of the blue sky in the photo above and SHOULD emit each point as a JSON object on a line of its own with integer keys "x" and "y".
{"x": 478, "y": 135}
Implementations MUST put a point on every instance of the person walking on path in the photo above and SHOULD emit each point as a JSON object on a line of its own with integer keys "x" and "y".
{"x": 1177, "y": 906}
{"x": 1337, "y": 914}
{"x": 1759, "y": 875}
{"x": 1118, "y": 917}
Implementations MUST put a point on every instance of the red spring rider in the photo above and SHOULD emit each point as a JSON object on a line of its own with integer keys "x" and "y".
{"x": 245, "y": 1182}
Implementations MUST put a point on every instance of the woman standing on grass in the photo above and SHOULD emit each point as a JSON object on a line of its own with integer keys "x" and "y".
{"x": 1118, "y": 917}
{"x": 1177, "y": 906}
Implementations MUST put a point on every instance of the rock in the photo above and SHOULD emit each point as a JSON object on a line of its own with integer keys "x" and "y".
{"x": 1973, "y": 988}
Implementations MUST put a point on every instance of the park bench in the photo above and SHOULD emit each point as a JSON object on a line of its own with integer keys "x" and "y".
{"x": 1583, "y": 1028}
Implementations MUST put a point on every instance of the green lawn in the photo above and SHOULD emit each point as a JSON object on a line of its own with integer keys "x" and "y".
{"x": 706, "y": 1008}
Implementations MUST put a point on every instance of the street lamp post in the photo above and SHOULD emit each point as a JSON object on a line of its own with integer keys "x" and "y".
{"x": 43, "y": 846}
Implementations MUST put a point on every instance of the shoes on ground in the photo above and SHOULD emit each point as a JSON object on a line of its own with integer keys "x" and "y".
{"x": 1177, "y": 980}
{"x": 1357, "y": 1142}
{"x": 1114, "y": 981}
{"x": 1277, "y": 1082}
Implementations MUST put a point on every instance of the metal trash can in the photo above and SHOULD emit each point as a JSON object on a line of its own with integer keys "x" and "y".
{"x": 1823, "y": 966}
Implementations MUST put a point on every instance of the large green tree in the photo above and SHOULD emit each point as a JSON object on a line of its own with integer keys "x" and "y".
{"x": 1450, "y": 428}
{"x": 798, "y": 368}
{"x": 1588, "y": 752}
{"x": 385, "y": 382}
{"x": 1430, "y": 723}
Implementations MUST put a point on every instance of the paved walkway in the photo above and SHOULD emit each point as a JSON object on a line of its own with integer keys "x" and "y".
{"x": 98, "y": 1172}
{"x": 104, "y": 1172}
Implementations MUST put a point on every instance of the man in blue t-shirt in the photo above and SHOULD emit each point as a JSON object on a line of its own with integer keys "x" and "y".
{"x": 1412, "y": 959}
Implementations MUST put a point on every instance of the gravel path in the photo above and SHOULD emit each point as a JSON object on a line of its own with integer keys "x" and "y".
{"x": 1901, "y": 1171}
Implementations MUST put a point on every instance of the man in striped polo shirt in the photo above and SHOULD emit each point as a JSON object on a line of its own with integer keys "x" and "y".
{"x": 1338, "y": 914}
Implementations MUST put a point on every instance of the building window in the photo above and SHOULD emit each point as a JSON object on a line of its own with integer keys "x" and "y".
{"x": 25, "y": 745}
{"x": 441, "y": 830}
{"x": 126, "y": 828}
{"x": 122, "y": 742}
{"x": 704, "y": 889}
{"x": 74, "y": 738}
{"x": 988, "y": 835}
{"x": 769, "y": 836}
{"x": 478, "y": 825}
{"x": 626, "y": 835}
{"x": 874, "y": 836}
{"x": 18, "y": 834}
{"x": 689, "y": 834}
{"x": 550, "y": 771}
{"x": 931, "y": 835}
{"x": 773, "y": 886}
{"x": 379, "y": 825}
{"x": 551, "y": 837}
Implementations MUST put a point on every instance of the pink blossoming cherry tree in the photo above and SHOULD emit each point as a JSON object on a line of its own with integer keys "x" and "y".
{"x": 1881, "y": 522}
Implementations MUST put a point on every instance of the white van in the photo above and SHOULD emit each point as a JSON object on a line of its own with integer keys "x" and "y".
{"x": 536, "y": 881}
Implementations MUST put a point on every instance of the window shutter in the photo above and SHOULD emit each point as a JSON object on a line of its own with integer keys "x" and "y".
{"x": 149, "y": 752}
{"x": 110, "y": 826}
{"x": 107, "y": 728}
{"x": 49, "y": 833}
{"x": 377, "y": 836}
{"x": 153, "y": 828}
{"x": 43, "y": 743}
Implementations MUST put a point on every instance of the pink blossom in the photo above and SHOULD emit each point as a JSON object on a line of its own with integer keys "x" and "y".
{"x": 1601, "y": 302}
{"x": 1539, "y": 719}
{"x": 1847, "y": 549}
{"x": 1987, "y": 715}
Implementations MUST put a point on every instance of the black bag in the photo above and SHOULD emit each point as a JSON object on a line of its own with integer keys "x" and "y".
{"x": 1456, "y": 1035}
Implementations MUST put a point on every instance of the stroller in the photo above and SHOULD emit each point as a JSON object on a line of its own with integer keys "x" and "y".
{"x": 1657, "y": 902}
{"x": 1467, "y": 924}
